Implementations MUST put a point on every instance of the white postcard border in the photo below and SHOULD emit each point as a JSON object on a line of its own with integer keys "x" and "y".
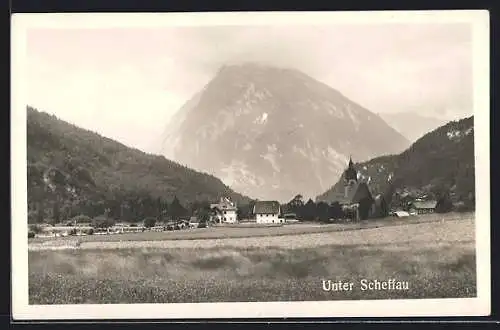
{"x": 21, "y": 310}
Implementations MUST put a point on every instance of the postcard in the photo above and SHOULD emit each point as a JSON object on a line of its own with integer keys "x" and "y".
{"x": 250, "y": 165}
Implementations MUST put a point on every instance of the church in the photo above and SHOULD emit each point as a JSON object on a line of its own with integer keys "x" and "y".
{"x": 356, "y": 201}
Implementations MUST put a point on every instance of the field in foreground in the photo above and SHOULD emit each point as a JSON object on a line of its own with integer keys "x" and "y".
{"x": 437, "y": 260}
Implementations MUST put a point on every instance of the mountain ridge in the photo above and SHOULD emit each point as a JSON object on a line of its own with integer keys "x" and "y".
{"x": 71, "y": 165}
{"x": 442, "y": 160}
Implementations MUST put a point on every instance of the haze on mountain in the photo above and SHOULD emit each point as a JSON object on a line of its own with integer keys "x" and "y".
{"x": 134, "y": 79}
{"x": 272, "y": 132}
{"x": 412, "y": 125}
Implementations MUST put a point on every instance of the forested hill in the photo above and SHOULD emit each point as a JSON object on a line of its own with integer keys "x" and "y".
{"x": 78, "y": 171}
{"x": 442, "y": 160}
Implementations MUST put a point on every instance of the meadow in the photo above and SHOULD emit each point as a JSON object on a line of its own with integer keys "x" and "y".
{"x": 436, "y": 258}
{"x": 235, "y": 231}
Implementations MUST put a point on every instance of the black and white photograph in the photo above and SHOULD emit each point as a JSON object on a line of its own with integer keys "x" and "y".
{"x": 210, "y": 165}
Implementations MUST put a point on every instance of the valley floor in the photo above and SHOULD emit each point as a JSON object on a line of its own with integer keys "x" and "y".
{"x": 437, "y": 259}
{"x": 225, "y": 235}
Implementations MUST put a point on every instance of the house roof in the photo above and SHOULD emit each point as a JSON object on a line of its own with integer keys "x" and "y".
{"x": 357, "y": 192}
{"x": 270, "y": 207}
{"x": 425, "y": 204}
{"x": 224, "y": 204}
{"x": 402, "y": 214}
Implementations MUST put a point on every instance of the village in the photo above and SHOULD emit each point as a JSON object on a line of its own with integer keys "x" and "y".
{"x": 355, "y": 203}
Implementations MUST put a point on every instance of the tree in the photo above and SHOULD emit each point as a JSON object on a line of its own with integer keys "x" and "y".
{"x": 176, "y": 209}
{"x": 40, "y": 216}
{"x": 56, "y": 212}
{"x": 164, "y": 210}
{"x": 444, "y": 204}
{"x": 160, "y": 209}
{"x": 35, "y": 229}
{"x": 383, "y": 207}
{"x": 103, "y": 221}
{"x": 388, "y": 195}
{"x": 194, "y": 207}
{"x": 66, "y": 210}
{"x": 335, "y": 210}
{"x": 203, "y": 214}
{"x": 322, "y": 212}
{"x": 81, "y": 218}
{"x": 241, "y": 211}
{"x": 308, "y": 211}
{"x": 124, "y": 208}
{"x": 296, "y": 202}
{"x": 245, "y": 211}
{"x": 296, "y": 205}
{"x": 251, "y": 206}
{"x": 149, "y": 222}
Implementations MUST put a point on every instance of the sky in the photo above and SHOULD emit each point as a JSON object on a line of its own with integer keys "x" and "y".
{"x": 126, "y": 83}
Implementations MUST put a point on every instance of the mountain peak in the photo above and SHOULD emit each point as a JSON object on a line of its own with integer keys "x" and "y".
{"x": 254, "y": 67}
{"x": 274, "y": 132}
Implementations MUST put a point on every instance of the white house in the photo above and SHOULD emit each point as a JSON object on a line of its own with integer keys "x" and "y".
{"x": 224, "y": 211}
{"x": 267, "y": 212}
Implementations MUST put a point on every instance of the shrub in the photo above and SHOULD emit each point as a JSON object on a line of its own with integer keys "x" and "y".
{"x": 81, "y": 218}
{"x": 149, "y": 222}
{"x": 444, "y": 205}
{"x": 103, "y": 222}
{"x": 36, "y": 229}
{"x": 90, "y": 231}
{"x": 31, "y": 234}
{"x": 72, "y": 232}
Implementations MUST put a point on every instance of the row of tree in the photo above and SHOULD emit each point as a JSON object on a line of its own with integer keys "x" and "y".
{"x": 136, "y": 208}
{"x": 323, "y": 212}
{"x": 126, "y": 208}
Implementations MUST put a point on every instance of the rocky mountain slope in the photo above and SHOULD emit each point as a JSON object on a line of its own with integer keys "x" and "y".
{"x": 412, "y": 125}
{"x": 272, "y": 133}
{"x": 442, "y": 159}
{"x": 79, "y": 169}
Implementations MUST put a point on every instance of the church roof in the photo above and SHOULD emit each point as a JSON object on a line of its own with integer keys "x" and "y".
{"x": 357, "y": 192}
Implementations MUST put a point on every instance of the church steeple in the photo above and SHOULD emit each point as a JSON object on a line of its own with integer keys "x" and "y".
{"x": 350, "y": 173}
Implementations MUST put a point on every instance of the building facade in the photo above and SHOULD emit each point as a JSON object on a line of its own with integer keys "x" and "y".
{"x": 267, "y": 212}
{"x": 225, "y": 211}
{"x": 423, "y": 207}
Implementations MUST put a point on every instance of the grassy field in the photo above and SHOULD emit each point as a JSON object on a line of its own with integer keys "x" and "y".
{"x": 244, "y": 231}
{"x": 436, "y": 258}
